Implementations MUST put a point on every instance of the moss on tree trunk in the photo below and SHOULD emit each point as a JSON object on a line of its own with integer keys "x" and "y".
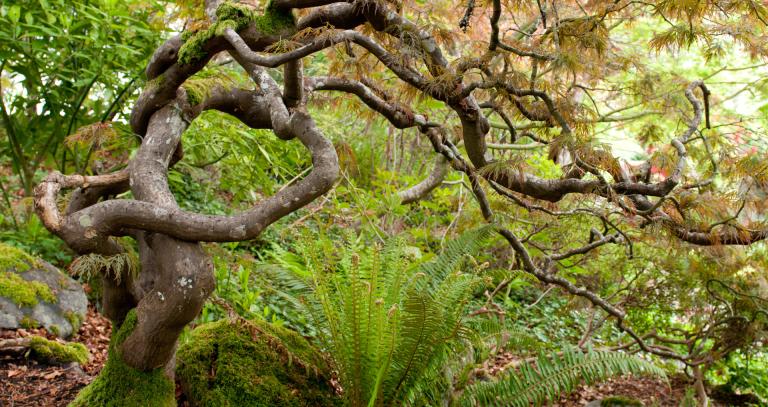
{"x": 119, "y": 385}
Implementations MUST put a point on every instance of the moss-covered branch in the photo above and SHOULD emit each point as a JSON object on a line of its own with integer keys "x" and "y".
{"x": 236, "y": 17}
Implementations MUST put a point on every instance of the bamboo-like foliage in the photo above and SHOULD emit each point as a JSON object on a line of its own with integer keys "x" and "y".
{"x": 386, "y": 319}
{"x": 552, "y": 376}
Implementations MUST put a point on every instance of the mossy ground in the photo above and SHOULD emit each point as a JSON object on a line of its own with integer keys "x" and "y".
{"x": 119, "y": 385}
{"x": 53, "y": 352}
{"x": 228, "y": 363}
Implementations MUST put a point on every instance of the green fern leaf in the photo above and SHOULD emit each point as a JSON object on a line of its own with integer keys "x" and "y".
{"x": 551, "y": 377}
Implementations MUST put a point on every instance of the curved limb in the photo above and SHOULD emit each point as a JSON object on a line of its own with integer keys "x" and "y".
{"x": 427, "y": 185}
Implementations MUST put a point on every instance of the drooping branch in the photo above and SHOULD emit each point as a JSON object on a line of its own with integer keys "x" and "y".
{"x": 550, "y": 277}
{"x": 495, "y": 42}
{"x": 276, "y": 60}
{"x": 289, "y": 4}
{"x": 340, "y": 15}
{"x": 740, "y": 236}
{"x": 399, "y": 115}
{"x": 614, "y": 238}
{"x": 427, "y": 185}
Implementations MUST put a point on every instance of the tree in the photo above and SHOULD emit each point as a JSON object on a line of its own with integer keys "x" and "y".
{"x": 556, "y": 80}
{"x": 59, "y": 58}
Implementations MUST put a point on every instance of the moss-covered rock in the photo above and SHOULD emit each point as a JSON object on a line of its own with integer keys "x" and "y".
{"x": 34, "y": 293}
{"x": 235, "y": 363}
{"x": 54, "y": 352}
{"x": 18, "y": 290}
{"x": 22, "y": 292}
{"x": 119, "y": 385}
{"x": 15, "y": 258}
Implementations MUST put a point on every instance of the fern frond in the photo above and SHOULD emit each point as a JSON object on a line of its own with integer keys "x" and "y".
{"x": 455, "y": 251}
{"x": 551, "y": 377}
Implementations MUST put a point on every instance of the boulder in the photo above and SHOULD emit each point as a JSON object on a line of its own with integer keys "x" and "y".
{"x": 34, "y": 293}
{"x": 251, "y": 364}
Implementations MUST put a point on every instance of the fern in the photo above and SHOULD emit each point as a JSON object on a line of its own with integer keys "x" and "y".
{"x": 553, "y": 376}
{"x": 385, "y": 319}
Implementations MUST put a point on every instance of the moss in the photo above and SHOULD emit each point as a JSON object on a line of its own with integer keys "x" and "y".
{"x": 54, "y": 352}
{"x": 119, "y": 385}
{"x": 153, "y": 84}
{"x": 274, "y": 20}
{"x": 236, "y": 17}
{"x": 228, "y": 363}
{"x": 12, "y": 258}
{"x": 28, "y": 323}
{"x": 618, "y": 401}
{"x": 55, "y": 330}
{"x": 74, "y": 319}
{"x": 199, "y": 87}
{"x": 22, "y": 292}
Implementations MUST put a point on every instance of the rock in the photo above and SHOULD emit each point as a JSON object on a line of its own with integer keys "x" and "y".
{"x": 34, "y": 293}
{"x": 251, "y": 364}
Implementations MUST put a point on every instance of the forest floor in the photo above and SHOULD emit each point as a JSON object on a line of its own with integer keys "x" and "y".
{"x": 25, "y": 382}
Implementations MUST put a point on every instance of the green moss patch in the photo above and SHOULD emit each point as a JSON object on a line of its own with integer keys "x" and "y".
{"x": 53, "y": 352}
{"x": 236, "y": 17}
{"x": 119, "y": 385}
{"x": 22, "y": 292}
{"x": 619, "y": 401}
{"x": 12, "y": 258}
{"x": 236, "y": 363}
{"x": 74, "y": 319}
{"x": 29, "y": 323}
